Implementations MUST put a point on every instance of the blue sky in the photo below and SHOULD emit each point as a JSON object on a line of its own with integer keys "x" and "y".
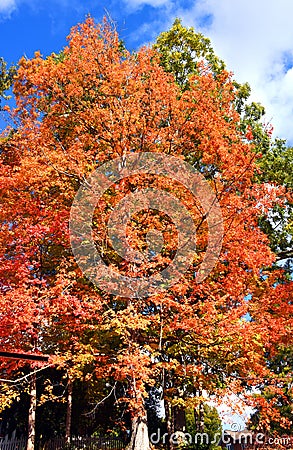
{"x": 254, "y": 37}
{"x": 28, "y": 25}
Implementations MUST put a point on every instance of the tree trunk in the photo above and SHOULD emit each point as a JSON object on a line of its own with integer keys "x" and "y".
{"x": 32, "y": 414}
{"x": 139, "y": 436}
{"x": 179, "y": 419}
{"x": 68, "y": 412}
{"x": 196, "y": 418}
{"x": 169, "y": 410}
{"x": 201, "y": 417}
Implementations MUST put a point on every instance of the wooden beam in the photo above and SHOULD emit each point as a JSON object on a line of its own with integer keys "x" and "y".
{"x": 24, "y": 356}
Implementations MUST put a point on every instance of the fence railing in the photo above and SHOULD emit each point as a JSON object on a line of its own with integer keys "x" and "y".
{"x": 89, "y": 443}
{"x": 60, "y": 443}
{"x": 13, "y": 444}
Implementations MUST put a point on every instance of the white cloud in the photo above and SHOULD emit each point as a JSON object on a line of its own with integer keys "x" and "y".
{"x": 255, "y": 39}
{"x": 137, "y": 3}
{"x": 7, "y": 7}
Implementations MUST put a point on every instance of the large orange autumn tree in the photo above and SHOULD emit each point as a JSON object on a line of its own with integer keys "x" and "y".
{"x": 75, "y": 111}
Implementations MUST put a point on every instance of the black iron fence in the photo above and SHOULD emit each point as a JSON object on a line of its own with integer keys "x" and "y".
{"x": 60, "y": 443}
{"x": 13, "y": 444}
{"x": 89, "y": 443}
